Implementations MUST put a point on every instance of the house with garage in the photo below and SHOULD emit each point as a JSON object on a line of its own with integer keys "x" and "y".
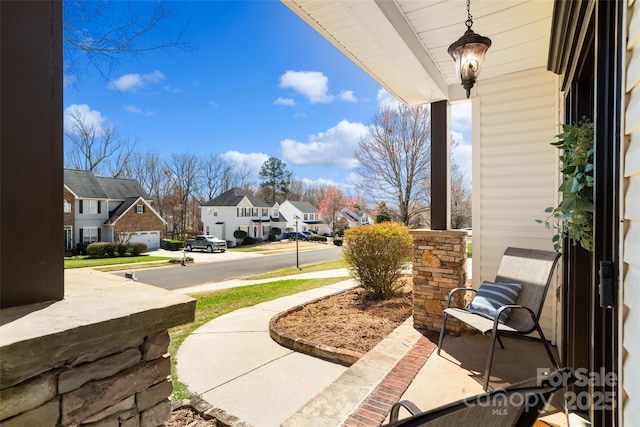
{"x": 309, "y": 218}
{"x": 100, "y": 209}
{"x": 237, "y": 209}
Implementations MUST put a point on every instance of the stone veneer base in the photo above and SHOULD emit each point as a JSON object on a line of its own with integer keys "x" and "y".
{"x": 98, "y": 355}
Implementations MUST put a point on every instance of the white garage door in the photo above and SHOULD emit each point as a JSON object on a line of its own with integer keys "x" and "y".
{"x": 150, "y": 238}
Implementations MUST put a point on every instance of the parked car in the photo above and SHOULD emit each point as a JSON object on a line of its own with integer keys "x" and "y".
{"x": 301, "y": 236}
{"x": 206, "y": 242}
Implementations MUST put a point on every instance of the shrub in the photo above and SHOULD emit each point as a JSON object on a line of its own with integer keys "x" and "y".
{"x": 240, "y": 235}
{"x": 101, "y": 250}
{"x": 81, "y": 249}
{"x": 316, "y": 238}
{"x": 275, "y": 231}
{"x": 376, "y": 255}
{"x": 337, "y": 242}
{"x": 137, "y": 248}
{"x": 248, "y": 241}
{"x": 172, "y": 245}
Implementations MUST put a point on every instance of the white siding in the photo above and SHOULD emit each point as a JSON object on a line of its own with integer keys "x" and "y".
{"x": 515, "y": 171}
{"x": 630, "y": 314}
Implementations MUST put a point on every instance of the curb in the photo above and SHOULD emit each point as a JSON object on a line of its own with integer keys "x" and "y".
{"x": 340, "y": 356}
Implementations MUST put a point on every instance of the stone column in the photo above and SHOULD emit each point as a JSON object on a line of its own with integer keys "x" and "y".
{"x": 439, "y": 265}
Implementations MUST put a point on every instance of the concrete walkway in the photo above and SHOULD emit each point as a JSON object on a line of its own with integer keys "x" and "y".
{"x": 233, "y": 364}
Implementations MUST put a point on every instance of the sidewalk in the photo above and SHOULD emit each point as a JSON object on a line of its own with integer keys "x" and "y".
{"x": 233, "y": 364}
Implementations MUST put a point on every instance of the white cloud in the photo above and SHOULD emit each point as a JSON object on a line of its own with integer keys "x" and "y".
{"x": 246, "y": 161}
{"x": 461, "y": 116}
{"x": 173, "y": 89}
{"x": 312, "y": 84}
{"x": 284, "y": 101}
{"x": 348, "y": 96}
{"x": 462, "y": 153}
{"x": 132, "y": 109}
{"x": 334, "y": 147}
{"x": 90, "y": 118}
{"x": 133, "y": 82}
{"x": 386, "y": 100}
{"x": 135, "y": 110}
{"x": 319, "y": 181}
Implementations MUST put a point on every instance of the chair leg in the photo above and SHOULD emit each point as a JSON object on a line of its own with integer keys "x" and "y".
{"x": 487, "y": 369}
{"x": 500, "y": 342}
{"x": 546, "y": 346}
{"x": 444, "y": 324}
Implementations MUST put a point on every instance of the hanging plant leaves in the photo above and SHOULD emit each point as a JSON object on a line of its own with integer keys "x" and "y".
{"x": 573, "y": 217}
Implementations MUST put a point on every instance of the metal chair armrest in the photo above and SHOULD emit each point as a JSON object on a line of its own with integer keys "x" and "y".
{"x": 455, "y": 290}
{"x": 408, "y": 405}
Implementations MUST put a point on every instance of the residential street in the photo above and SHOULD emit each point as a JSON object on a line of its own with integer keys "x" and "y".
{"x": 217, "y": 267}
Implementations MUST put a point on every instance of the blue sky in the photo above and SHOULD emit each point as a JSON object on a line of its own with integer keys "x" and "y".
{"x": 257, "y": 83}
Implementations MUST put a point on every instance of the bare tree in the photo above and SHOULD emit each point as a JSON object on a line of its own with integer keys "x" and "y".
{"x": 394, "y": 162}
{"x": 460, "y": 198}
{"x": 103, "y": 31}
{"x": 183, "y": 175}
{"x": 212, "y": 171}
{"x": 97, "y": 149}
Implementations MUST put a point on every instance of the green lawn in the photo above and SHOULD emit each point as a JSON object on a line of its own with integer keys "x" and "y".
{"x": 101, "y": 262}
{"x": 304, "y": 269}
{"x": 210, "y": 305}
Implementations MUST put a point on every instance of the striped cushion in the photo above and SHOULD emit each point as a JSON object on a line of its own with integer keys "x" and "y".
{"x": 493, "y": 295}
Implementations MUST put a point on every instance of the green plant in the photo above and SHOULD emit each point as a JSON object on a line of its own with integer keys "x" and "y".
{"x": 377, "y": 255}
{"x": 573, "y": 217}
{"x": 337, "y": 242}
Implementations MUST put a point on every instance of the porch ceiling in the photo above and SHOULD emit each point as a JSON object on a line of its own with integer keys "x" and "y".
{"x": 402, "y": 44}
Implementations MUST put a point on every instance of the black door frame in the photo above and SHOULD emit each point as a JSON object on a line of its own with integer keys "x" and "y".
{"x": 586, "y": 50}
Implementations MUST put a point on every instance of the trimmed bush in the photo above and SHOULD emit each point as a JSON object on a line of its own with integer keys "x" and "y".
{"x": 275, "y": 231}
{"x": 337, "y": 242}
{"x": 248, "y": 241}
{"x": 111, "y": 250}
{"x": 240, "y": 234}
{"x": 172, "y": 245}
{"x": 376, "y": 255}
{"x": 272, "y": 238}
{"x": 101, "y": 250}
{"x": 137, "y": 248}
{"x": 81, "y": 249}
{"x": 317, "y": 238}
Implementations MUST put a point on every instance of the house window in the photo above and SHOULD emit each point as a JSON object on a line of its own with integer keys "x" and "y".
{"x": 90, "y": 234}
{"x": 67, "y": 207}
{"x": 89, "y": 207}
{"x": 215, "y": 213}
{"x": 265, "y": 212}
{"x": 276, "y": 212}
{"x": 139, "y": 209}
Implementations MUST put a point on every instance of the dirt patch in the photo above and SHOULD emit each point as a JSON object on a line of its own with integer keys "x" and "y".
{"x": 348, "y": 320}
{"x": 187, "y": 417}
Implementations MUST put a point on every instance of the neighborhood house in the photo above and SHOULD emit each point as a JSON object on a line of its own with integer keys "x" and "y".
{"x": 99, "y": 209}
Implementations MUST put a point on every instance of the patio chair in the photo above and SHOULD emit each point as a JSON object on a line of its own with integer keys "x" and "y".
{"x": 518, "y": 405}
{"x": 527, "y": 269}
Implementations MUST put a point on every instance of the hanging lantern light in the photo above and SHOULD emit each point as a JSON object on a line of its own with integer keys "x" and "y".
{"x": 468, "y": 53}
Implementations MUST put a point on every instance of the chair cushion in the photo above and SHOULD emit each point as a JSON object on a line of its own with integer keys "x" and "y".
{"x": 493, "y": 295}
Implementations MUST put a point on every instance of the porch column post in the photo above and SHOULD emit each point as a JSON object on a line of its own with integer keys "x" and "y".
{"x": 440, "y": 165}
{"x": 439, "y": 265}
{"x": 31, "y": 183}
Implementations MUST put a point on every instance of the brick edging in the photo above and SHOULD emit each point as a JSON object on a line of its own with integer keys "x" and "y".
{"x": 374, "y": 409}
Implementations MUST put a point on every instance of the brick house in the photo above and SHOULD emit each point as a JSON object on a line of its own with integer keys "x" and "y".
{"x": 107, "y": 209}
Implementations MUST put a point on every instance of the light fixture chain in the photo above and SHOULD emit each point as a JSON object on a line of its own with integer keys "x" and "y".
{"x": 469, "y": 22}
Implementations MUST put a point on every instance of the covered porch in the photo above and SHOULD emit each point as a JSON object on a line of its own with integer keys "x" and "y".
{"x": 550, "y": 63}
